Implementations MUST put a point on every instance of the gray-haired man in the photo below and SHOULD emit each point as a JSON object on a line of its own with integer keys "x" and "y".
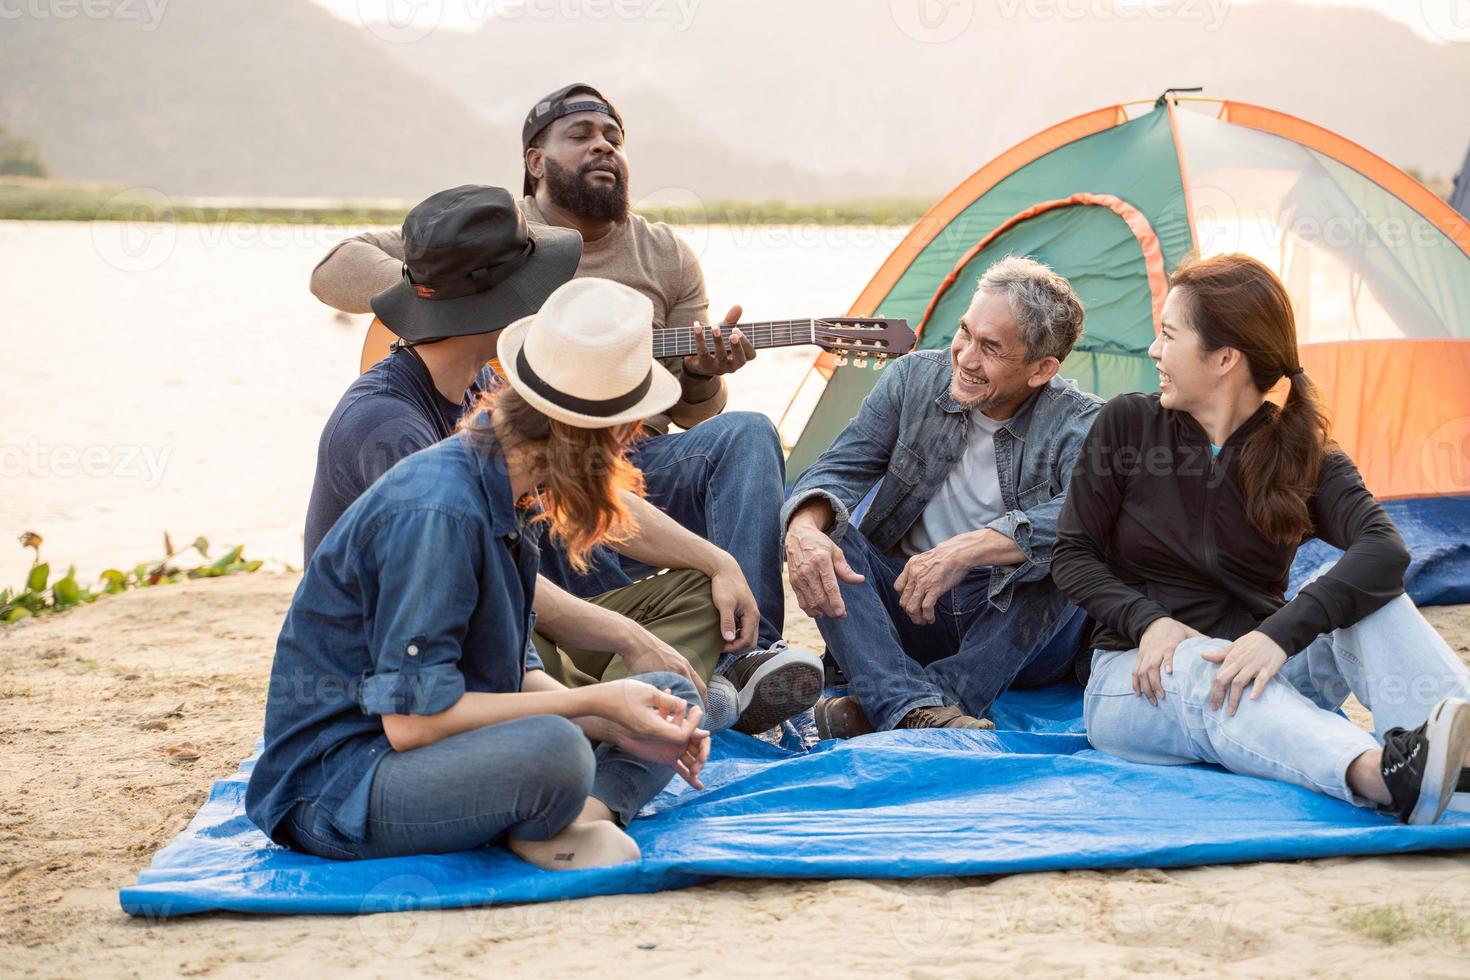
{"x": 943, "y": 598}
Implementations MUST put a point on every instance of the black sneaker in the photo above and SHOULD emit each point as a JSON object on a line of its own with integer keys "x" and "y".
{"x": 1422, "y": 767}
{"x": 774, "y": 685}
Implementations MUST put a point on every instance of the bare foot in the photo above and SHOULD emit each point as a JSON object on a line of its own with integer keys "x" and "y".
{"x": 591, "y": 844}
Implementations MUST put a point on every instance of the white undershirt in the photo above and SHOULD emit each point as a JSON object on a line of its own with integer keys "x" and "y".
{"x": 970, "y": 497}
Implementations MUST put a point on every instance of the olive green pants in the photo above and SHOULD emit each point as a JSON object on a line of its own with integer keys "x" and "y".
{"x": 675, "y": 607}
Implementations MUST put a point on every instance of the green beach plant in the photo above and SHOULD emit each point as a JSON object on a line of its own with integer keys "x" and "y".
{"x": 42, "y": 596}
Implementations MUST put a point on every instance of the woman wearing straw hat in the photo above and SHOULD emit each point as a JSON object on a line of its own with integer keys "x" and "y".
{"x": 408, "y": 711}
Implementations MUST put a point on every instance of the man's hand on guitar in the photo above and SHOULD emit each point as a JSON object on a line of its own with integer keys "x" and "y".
{"x": 722, "y": 356}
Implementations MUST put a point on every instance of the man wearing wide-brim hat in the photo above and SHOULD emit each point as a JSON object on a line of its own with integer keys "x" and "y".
{"x": 473, "y": 266}
{"x": 723, "y": 478}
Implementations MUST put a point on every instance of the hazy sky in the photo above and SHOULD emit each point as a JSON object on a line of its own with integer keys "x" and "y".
{"x": 1432, "y": 19}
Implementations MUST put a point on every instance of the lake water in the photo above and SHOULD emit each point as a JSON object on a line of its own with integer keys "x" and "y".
{"x": 176, "y": 377}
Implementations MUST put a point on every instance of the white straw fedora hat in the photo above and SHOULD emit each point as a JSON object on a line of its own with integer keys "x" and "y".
{"x": 586, "y": 357}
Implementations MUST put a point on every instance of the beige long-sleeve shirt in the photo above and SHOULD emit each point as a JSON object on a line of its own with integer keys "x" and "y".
{"x": 648, "y": 256}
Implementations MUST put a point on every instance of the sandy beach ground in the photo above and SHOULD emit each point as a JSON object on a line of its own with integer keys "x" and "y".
{"x": 115, "y": 718}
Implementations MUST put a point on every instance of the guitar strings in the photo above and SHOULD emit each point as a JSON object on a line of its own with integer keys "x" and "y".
{"x": 674, "y": 343}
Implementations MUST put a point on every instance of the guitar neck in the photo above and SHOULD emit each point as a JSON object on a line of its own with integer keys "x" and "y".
{"x": 767, "y": 333}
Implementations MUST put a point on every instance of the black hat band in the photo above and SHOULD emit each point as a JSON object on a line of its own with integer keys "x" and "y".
{"x": 603, "y": 408}
{"x": 478, "y": 281}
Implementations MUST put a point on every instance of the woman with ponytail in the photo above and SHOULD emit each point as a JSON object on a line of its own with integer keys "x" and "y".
{"x": 1186, "y": 510}
{"x": 408, "y": 711}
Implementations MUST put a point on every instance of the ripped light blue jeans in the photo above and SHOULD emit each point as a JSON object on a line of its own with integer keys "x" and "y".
{"x": 1394, "y": 661}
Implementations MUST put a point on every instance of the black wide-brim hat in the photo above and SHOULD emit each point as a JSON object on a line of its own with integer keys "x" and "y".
{"x": 473, "y": 266}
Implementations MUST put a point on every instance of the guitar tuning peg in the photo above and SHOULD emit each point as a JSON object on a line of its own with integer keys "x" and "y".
{"x": 842, "y": 360}
{"x": 879, "y": 361}
{"x": 862, "y": 361}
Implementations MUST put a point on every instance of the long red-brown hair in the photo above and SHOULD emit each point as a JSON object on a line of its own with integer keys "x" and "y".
{"x": 1235, "y": 301}
{"x": 583, "y": 471}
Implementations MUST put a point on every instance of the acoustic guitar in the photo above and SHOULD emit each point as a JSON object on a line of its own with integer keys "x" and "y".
{"x": 857, "y": 340}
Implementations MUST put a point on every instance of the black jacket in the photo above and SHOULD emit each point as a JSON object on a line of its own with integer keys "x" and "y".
{"x": 1155, "y": 525}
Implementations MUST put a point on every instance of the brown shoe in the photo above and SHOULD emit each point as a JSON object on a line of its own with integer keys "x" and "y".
{"x": 840, "y": 717}
{"x": 943, "y": 716}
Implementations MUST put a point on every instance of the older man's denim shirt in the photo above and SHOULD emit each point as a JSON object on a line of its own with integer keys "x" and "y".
{"x": 910, "y": 432}
{"x": 420, "y": 592}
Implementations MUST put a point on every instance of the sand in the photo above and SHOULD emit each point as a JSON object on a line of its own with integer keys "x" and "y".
{"x": 115, "y": 718}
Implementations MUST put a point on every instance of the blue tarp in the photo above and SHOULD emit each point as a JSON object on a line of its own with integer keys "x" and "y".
{"x": 1031, "y": 796}
{"x": 1437, "y": 531}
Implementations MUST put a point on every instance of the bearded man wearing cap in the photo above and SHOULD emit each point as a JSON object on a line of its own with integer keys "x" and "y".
{"x": 723, "y": 478}
{"x": 408, "y": 711}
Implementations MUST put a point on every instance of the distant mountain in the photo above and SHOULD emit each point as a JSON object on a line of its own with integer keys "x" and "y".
{"x": 852, "y": 89}
{"x": 250, "y": 97}
{"x": 747, "y": 99}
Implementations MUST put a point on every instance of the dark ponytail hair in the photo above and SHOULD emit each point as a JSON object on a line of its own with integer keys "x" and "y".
{"x": 1235, "y": 301}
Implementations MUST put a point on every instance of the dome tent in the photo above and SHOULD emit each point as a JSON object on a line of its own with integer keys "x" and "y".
{"x": 1378, "y": 268}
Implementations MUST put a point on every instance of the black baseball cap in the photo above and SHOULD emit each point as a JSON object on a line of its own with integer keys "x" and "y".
{"x": 472, "y": 265}
{"x": 561, "y": 103}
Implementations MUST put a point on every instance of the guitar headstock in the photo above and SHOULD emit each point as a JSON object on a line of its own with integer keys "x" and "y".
{"x": 855, "y": 339}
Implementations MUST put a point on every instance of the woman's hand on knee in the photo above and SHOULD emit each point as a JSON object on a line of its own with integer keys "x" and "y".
{"x": 655, "y": 726}
{"x": 1254, "y": 657}
{"x": 1156, "y": 656}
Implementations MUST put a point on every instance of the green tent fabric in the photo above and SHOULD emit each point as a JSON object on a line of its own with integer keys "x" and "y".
{"x": 1135, "y": 162}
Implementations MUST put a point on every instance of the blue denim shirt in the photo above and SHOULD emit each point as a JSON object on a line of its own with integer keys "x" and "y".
{"x": 420, "y": 592}
{"x": 910, "y": 432}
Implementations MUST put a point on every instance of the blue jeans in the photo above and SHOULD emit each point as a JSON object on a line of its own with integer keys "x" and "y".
{"x": 528, "y": 778}
{"x": 1394, "y": 661}
{"x": 968, "y": 656}
{"x": 724, "y": 480}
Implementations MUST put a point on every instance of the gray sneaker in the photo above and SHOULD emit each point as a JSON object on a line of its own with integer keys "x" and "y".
{"x": 721, "y": 705}
{"x": 774, "y": 684}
